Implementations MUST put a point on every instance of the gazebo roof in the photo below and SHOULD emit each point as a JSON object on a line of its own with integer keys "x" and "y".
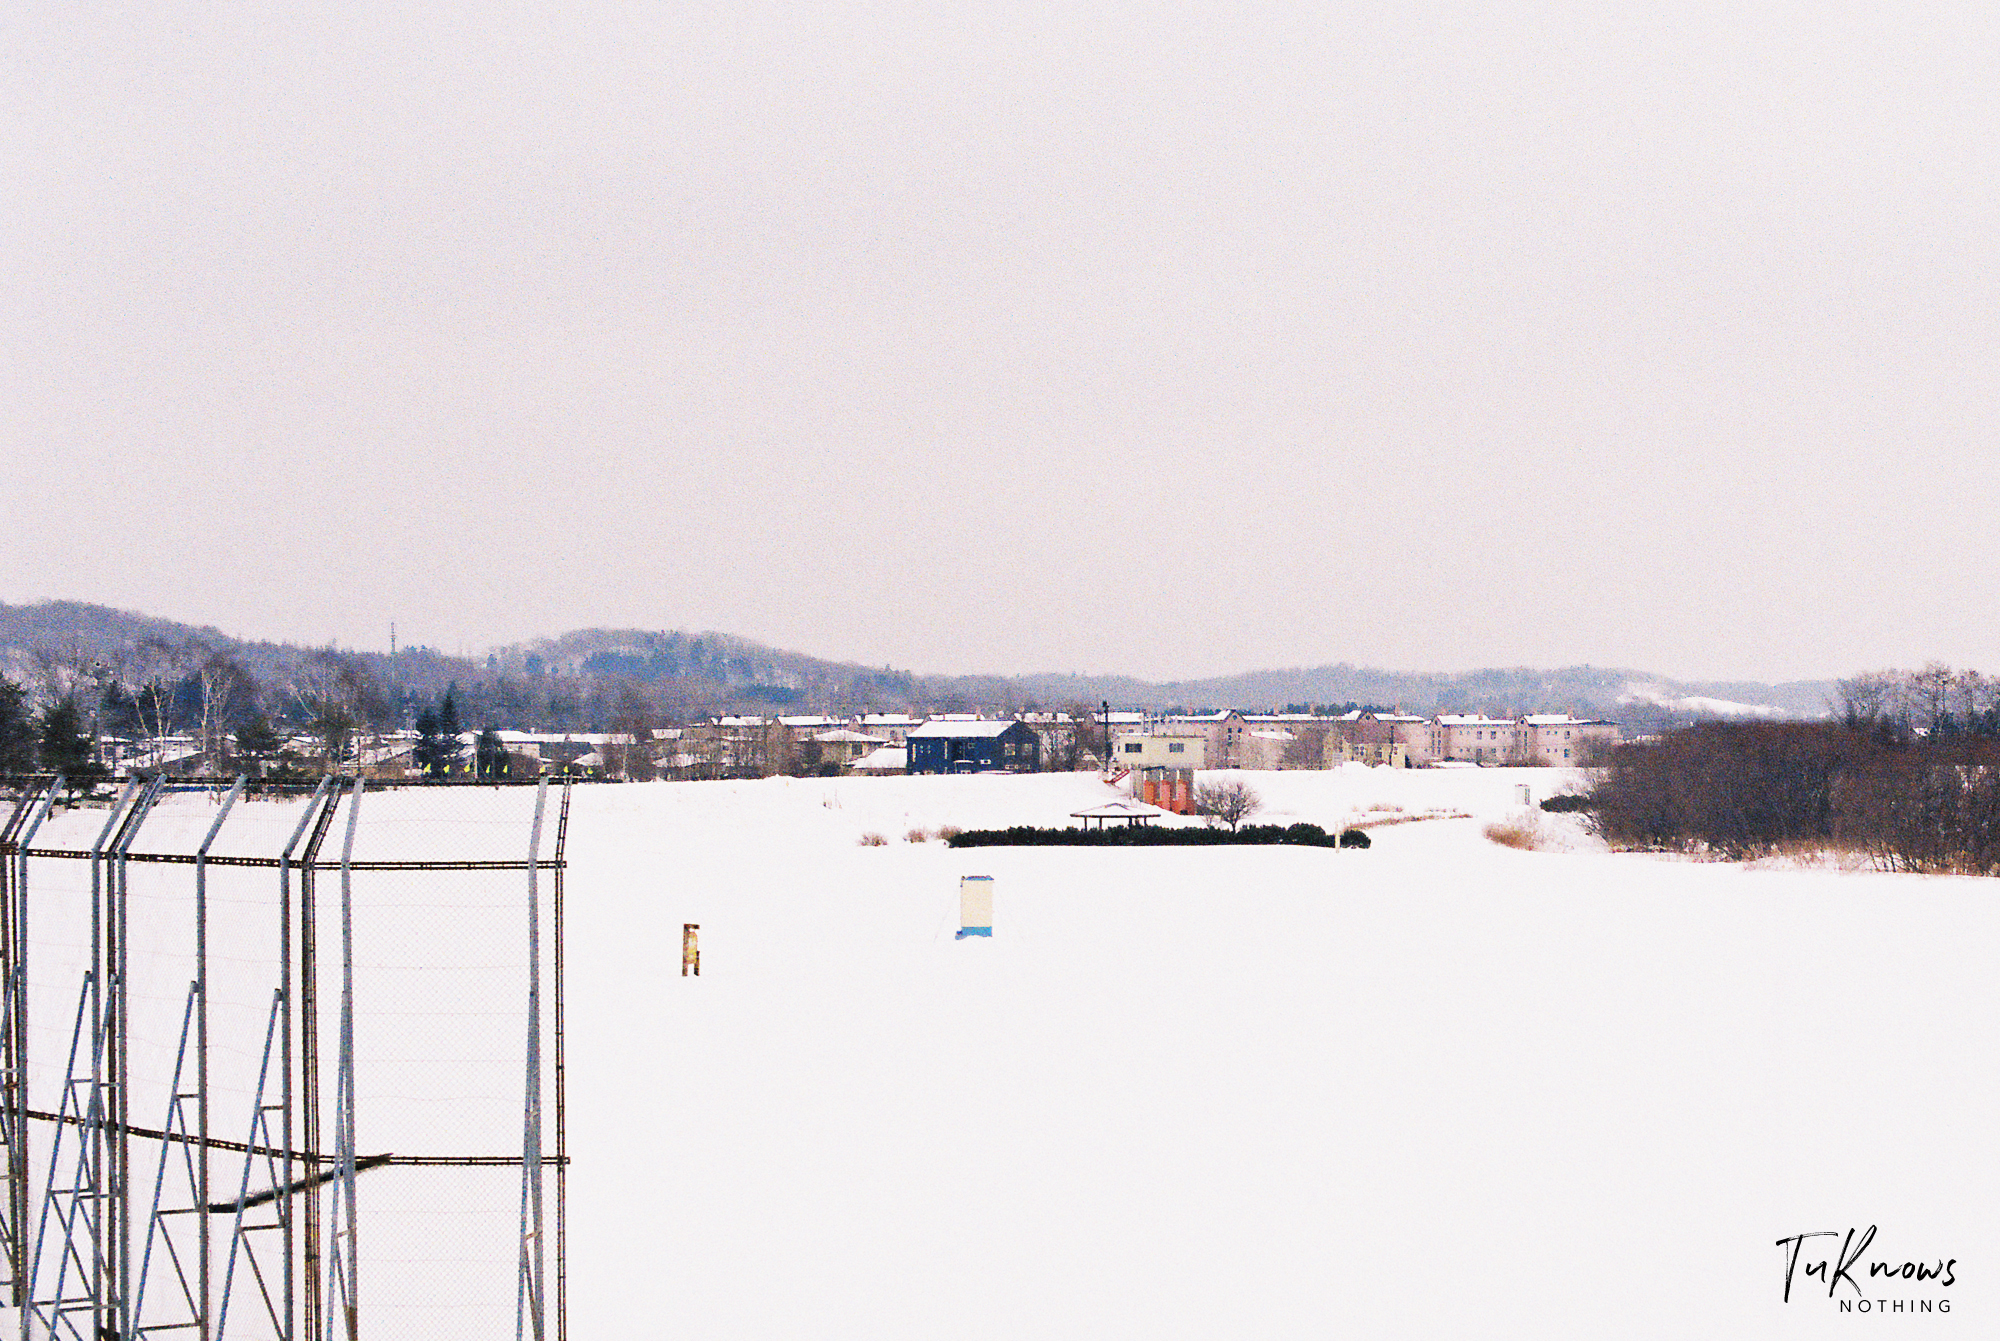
{"x": 1125, "y": 810}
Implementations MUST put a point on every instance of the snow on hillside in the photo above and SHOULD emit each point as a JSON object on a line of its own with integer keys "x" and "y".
{"x": 1437, "y": 1088}
{"x": 1660, "y": 696}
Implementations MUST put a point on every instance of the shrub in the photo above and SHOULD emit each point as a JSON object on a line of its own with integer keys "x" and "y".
{"x": 1354, "y": 838}
{"x": 1022, "y": 835}
{"x": 949, "y": 831}
{"x": 873, "y": 840}
{"x": 917, "y": 836}
{"x": 1567, "y": 803}
{"x": 1230, "y": 802}
{"x": 1519, "y": 836}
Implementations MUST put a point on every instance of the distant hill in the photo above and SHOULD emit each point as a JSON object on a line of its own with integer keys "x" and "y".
{"x": 735, "y": 669}
{"x": 95, "y": 631}
{"x": 679, "y": 673}
{"x": 55, "y": 646}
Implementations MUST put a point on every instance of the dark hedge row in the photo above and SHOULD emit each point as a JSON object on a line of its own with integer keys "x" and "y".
{"x": 1022, "y": 835}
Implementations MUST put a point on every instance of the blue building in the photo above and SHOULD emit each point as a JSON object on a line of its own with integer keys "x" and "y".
{"x": 974, "y": 747}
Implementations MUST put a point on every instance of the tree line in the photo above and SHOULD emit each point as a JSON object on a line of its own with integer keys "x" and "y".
{"x": 1908, "y": 774}
{"x": 327, "y": 709}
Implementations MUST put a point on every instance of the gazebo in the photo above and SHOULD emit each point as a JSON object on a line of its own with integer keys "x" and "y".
{"x": 1128, "y": 813}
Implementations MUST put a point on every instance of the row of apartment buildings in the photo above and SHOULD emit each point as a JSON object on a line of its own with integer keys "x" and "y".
{"x": 1272, "y": 741}
{"x": 1033, "y": 741}
{"x": 887, "y": 743}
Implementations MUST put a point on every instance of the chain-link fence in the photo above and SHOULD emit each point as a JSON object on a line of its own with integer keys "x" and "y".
{"x": 282, "y": 1062}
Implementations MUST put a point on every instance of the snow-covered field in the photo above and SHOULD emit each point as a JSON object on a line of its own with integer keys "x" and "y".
{"x": 1438, "y": 1088}
{"x": 1434, "y": 1089}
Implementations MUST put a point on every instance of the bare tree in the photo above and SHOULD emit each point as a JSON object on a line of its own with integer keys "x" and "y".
{"x": 1930, "y": 694}
{"x": 61, "y": 674}
{"x": 1971, "y": 695}
{"x": 226, "y": 694}
{"x": 628, "y": 754}
{"x": 1307, "y": 747}
{"x": 706, "y": 748}
{"x": 1870, "y": 697}
{"x": 1063, "y": 742}
{"x": 155, "y": 670}
{"x": 338, "y": 700}
{"x": 1230, "y": 802}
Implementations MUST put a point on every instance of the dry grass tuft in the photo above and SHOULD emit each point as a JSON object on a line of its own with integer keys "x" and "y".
{"x": 917, "y": 836}
{"x": 1523, "y": 837}
{"x": 947, "y": 832}
{"x": 873, "y": 840}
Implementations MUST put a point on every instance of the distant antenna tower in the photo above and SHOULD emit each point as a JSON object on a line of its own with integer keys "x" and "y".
{"x": 392, "y": 640}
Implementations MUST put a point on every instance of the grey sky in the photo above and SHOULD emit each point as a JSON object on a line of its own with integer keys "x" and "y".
{"x": 1154, "y": 338}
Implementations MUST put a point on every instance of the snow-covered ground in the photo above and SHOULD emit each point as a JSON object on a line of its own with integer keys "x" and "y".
{"x": 1434, "y": 1089}
{"x": 1438, "y": 1088}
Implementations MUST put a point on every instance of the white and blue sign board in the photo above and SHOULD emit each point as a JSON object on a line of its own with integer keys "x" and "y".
{"x": 975, "y": 906}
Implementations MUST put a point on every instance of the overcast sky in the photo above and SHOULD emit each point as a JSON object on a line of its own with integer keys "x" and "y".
{"x": 1151, "y": 338}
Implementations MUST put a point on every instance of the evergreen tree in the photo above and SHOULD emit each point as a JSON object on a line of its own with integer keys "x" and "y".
{"x": 490, "y": 757}
{"x": 448, "y": 720}
{"x": 450, "y": 728}
{"x": 430, "y": 750}
{"x": 17, "y": 730}
{"x": 257, "y": 740}
{"x": 66, "y": 747}
{"x": 118, "y": 711}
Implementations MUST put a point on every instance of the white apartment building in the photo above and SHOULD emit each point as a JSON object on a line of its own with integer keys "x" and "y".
{"x": 1471, "y": 738}
{"x": 1159, "y": 749}
{"x": 1560, "y": 739}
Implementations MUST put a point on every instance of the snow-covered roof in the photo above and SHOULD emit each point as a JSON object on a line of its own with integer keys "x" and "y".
{"x": 888, "y": 719}
{"x": 806, "y": 723}
{"x": 1562, "y": 719}
{"x": 1119, "y": 810}
{"x": 959, "y": 728}
{"x": 1273, "y": 735}
{"x": 1461, "y": 719}
{"x": 887, "y": 759}
{"x": 845, "y": 737}
{"x": 382, "y": 755}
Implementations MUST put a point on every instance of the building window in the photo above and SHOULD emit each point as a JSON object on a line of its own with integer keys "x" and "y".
{"x": 1176, "y": 748}
{"x": 1133, "y": 748}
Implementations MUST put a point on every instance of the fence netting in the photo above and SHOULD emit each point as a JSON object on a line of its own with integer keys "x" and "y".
{"x": 220, "y": 999}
